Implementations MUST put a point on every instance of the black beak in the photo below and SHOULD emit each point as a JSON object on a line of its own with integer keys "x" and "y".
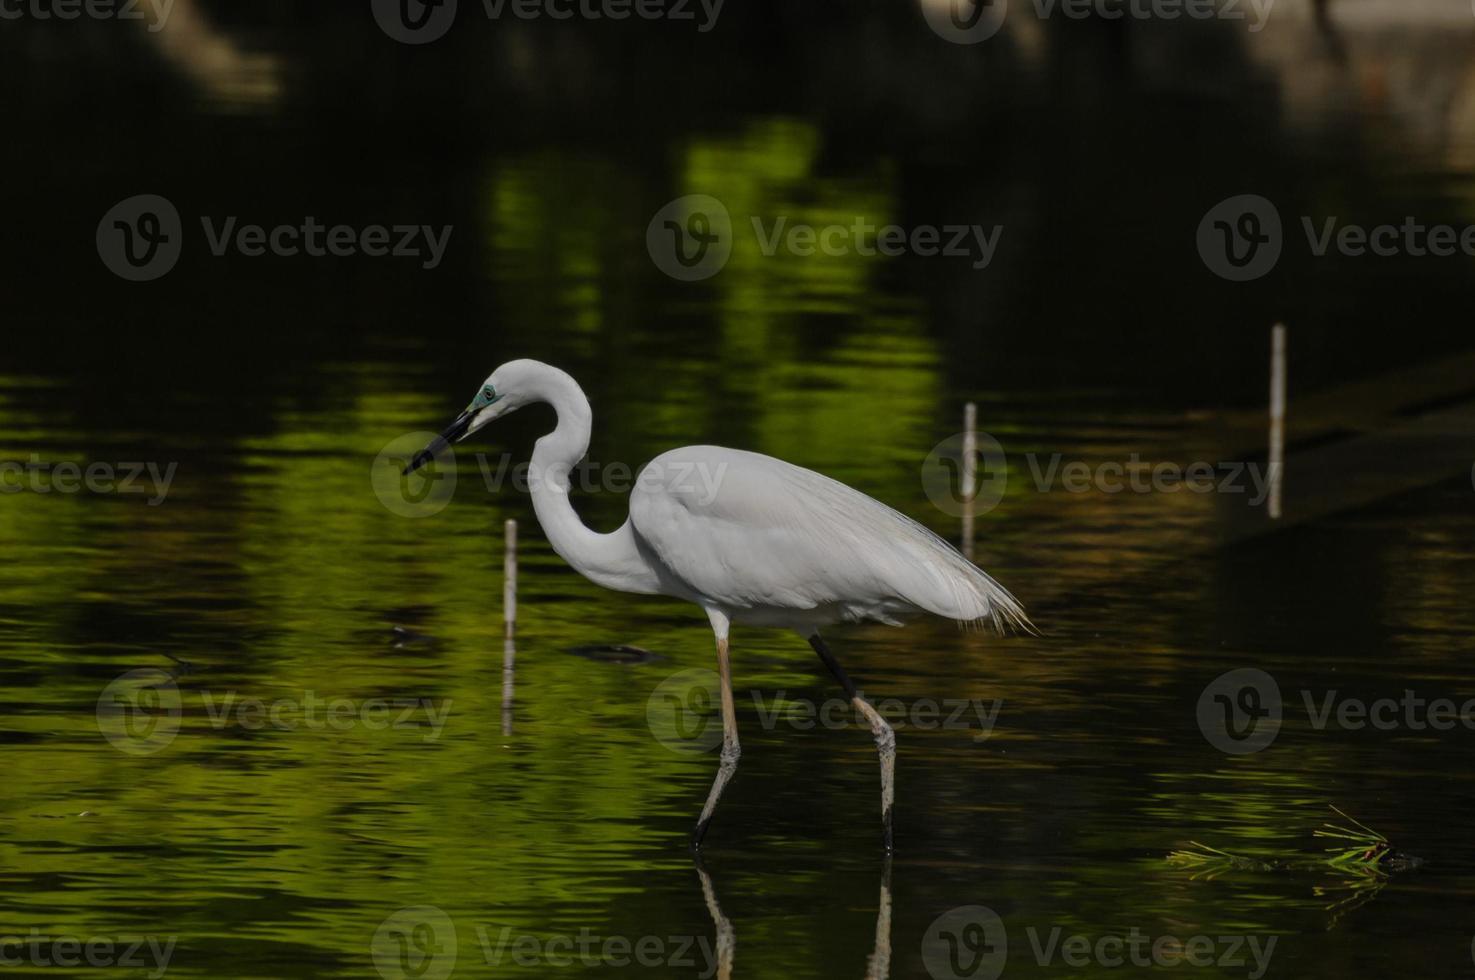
{"x": 440, "y": 443}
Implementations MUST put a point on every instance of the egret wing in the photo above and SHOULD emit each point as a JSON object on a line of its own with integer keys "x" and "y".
{"x": 749, "y": 531}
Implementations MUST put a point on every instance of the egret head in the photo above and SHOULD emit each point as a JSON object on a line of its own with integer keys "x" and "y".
{"x": 504, "y": 391}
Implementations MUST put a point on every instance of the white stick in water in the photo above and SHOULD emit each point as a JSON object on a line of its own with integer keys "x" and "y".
{"x": 509, "y": 618}
{"x": 969, "y": 474}
{"x": 1277, "y": 415}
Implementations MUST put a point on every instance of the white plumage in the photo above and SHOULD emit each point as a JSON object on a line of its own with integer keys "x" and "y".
{"x": 749, "y": 538}
{"x": 775, "y": 544}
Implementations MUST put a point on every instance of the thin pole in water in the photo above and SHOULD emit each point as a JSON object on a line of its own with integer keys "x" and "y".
{"x": 969, "y": 474}
{"x": 509, "y": 620}
{"x": 1277, "y": 414}
{"x": 509, "y": 578}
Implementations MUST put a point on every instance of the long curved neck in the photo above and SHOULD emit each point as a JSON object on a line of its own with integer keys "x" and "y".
{"x": 611, "y": 560}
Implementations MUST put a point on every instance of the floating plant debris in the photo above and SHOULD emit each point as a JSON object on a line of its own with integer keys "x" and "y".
{"x": 1362, "y": 864}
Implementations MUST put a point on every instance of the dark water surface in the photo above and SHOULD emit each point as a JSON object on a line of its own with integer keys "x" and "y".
{"x": 266, "y": 836}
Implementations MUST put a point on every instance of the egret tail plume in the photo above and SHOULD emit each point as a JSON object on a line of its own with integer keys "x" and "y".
{"x": 1005, "y": 613}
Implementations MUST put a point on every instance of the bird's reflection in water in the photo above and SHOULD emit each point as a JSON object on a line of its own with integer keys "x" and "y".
{"x": 878, "y": 964}
{"x": 726, "y": 942}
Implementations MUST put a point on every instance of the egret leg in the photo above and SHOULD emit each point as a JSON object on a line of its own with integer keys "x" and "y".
{"x": 731, "y": 751}
{"x": 885, "y": 737}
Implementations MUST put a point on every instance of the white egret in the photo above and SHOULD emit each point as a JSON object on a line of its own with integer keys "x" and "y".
{"x": 749, "y": 538}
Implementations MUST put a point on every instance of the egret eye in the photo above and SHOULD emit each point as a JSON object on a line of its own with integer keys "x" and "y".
{"x": 485, "y": 397}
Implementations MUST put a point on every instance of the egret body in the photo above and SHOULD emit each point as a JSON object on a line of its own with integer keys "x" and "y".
{"x": 749, "y": 538}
